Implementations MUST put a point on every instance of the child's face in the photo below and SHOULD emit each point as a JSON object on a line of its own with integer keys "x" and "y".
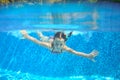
{"x": 59, "y": 43}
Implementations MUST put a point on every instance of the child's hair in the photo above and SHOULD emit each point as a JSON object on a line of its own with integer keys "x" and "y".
{"x": 57, "y": 35}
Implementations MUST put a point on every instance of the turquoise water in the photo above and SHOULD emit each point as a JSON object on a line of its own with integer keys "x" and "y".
{"x": 9, "y": 75}
{"x": 23, "y": 59}
{"x": 94, "y": 26}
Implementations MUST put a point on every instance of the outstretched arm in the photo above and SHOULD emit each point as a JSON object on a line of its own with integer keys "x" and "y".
{"x": 27, "y": 36}
{"x": 90, "y": 56}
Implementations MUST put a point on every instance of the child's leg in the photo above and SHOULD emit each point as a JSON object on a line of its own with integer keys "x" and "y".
{"x": 42, "y": 37}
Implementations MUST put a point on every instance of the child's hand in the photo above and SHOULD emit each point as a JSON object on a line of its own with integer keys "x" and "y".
{"x": 24, "y": 32}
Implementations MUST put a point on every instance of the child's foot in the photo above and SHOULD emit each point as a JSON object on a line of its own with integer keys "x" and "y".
{"x": 92, "y": 55}
{"x": 40, "y": 34}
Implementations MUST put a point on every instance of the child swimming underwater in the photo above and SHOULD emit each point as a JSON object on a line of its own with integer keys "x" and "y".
{"x": 57, "y": 44}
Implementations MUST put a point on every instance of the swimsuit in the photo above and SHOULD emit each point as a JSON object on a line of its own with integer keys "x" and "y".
{"x": 58, "y": 44}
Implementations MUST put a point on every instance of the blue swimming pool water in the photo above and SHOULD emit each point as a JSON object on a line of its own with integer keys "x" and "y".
{"x": 20, "y": 59}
